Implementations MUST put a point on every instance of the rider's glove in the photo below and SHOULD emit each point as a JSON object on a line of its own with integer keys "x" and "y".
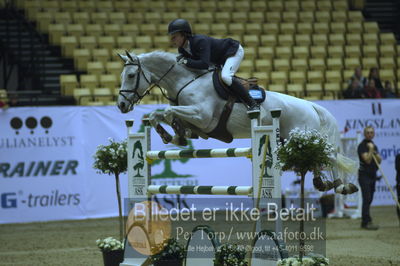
{"x": 181, "y": 60}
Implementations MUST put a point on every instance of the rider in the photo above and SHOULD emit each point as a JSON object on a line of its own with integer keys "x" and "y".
{"x": 203, "y": 52}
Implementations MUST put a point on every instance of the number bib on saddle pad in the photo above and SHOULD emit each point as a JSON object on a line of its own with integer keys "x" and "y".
{"x": 255, "y": 91}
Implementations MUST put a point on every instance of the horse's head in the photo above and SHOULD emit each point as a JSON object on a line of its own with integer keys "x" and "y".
{"x": 134, "y": 82}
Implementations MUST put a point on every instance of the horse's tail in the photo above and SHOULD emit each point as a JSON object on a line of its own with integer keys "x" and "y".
{"x": 345, "y": 165}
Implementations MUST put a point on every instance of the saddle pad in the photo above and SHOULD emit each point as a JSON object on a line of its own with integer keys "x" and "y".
{"x": 256, "y": 92}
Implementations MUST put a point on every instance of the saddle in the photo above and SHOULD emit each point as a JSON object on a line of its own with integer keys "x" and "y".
{"x": 223, "y": 91}
{"x": 220, "y": 132}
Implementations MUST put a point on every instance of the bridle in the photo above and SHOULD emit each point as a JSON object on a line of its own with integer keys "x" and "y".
{"x": 135, "y": 89}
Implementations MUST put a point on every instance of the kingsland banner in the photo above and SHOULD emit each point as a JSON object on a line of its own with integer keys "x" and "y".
{"x": 46, "y": 158}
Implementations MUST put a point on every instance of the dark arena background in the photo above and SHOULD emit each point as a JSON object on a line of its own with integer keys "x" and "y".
{"x": 60, "y": 82}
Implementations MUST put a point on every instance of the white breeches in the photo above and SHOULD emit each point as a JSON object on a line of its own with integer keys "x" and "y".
{"x": 231, "y": 66}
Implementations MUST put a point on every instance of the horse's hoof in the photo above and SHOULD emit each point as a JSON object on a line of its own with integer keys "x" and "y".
{"x": 182, "y": 142}
{"x": 340, "y": 189}
{"x": 351, "y": 188}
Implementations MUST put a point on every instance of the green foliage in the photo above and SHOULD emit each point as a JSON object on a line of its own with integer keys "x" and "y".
{"x": 111, "y": 159}
{"x": 230, "y": 255}
{"x": 170, "y": 250}
{"x": 306, "y": 150}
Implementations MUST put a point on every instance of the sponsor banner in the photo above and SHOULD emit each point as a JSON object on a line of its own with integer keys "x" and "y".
{"x": 46, "y": 158}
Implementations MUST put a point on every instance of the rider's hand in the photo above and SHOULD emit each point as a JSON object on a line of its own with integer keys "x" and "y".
{"x": 182, "y": 60}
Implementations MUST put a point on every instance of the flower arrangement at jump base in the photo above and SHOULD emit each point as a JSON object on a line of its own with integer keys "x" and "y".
{"x": 172, "y": 253}
{"x": 310, "y": 260}
{"x": 230, "y": 255}
{"x": 305, "y": 150}
{"x": 112, "y": 159}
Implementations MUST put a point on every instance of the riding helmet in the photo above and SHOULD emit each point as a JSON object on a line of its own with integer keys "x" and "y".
{"x": 179, "y": 25}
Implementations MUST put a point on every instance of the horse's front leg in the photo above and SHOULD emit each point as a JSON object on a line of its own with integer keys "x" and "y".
{"x": 155, "y": 118}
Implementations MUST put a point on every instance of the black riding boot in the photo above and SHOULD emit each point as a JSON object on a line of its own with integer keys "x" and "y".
{"x": 240, "y": 91}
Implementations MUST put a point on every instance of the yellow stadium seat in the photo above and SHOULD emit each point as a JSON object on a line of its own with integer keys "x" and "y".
{"x": 308, "y": 5}
{"x": 81, "y": 57}
{"x": 239, "y": 17}
{"x": 299, "y": 64}
{"x": 82, "y": 95}
{"x": 338, "y": 27}
{"x": 95, "y": 68}
{"x": 157, "y": 6}
{"x": 318, "y": 51}
{"x": 270, "y": 28}
{"x": 352, "y": 51}
{"x": 162, "y": 42}
{"x": 323, "y": 16}
{"x": 103, "y": 95}
{"x": 208, "y": 5}
{"x": 369, "y": 62}
{"x": 87, "y": 5}
{"x": 136, "y": 18}
{"x": 276, "y": 6}
{"x": 225, "y": 5}
{"x": 303, "y": 39}
{"x": 223, "y": 17}
{"x": 283, "y": 52}
{"x": 263, "y": 65}
{"x": 305, "y": 28}
{"x": 255, "y": 17}
{"x": 297, "y": 77}
{"x": 89, "y": 81}
{"x": 317, "y": 64}
{"x": 247, "y": 65}
{"x": 328, "y": 97}
{"x": 44, "y": 19}
{"x": 251, "y": 40}
{"x": 152, "y": 18}
{"x": 202, "y": 28}
{"x": 355, "y": 27}
{"x": 115, "y": 68}
{"x": 387, "y": 62}
{"x": 333, "y": 76}
{"x": 332, "y": 88}
{"x": 174, "y": 6}
{"x": 273, "y": 17}
{"x": 370, "y": 38}
{"x": 301, "y": 52}
{"x": 279, "y": 77}
{"x": 335, "y": 51}
{"x": 339, "y": 16}
{"x": 123, "y": 6}
{"x": 219, "y": 29}
{"x": 355, "y": 16}
{"x": 127, "y": 42}
{"x": 289, "y": 16}
{"x": 306, "y": 16}
{"x": 108, "y": 81}
{"x": 252, "y": 28}
{"x": 371, "y": 27}
{"x": 62, "y": 18}
{"x": 117, "y": 18}
{"x": 94, "y": 30}
{"x": 335, "y": 63}
{"x": 130, "y": 29}
{"x": 288, "y": 28}
{"x": 167, "y": 17}
{"x": 68, "y": 83}
{"x": 259, "y": 6}
{"x": 148, "y": 29}
{"x": 101, "y": 54}
{"x": 205, "y": 17}
{"x": 104, "y": 5}
{"x": 347, "y": 74}
{"x": 340, "y": 5}
{"x": 275, "y": 87}
{"x": 314, "y": 89}
{"x": 320, "y": 39}
{"x": 144, "y": 42}
{"x": 321, "y": 28}
{"x": 296, "y": 90}
{"x": 324, "y": 5}
{"x": 336, "y": 39}
{"x": 387, "y": 50}
{"x": 315, "y": 76}
{"x": 353, "y": 39}
{"x": 107, "y": 42}
{"x": 266, "y": 52}
{"x": 370, "y": 51}
{"x": 113, "y": 30}
{"x": 352, "y": 63}
{"x": 285, "y": 39}
{"x": 56, "y": 31}
{"x": 88, "y": 42}
{"x": 268, "y": 40}
{"x": 387, "y": 38}
{"x": 68, "y": 44}
{"x": 263, "y": 78}
{"x": 242, "y": 5}
{"x": 387, "y": 74}
{"x": 250, "y": 53}
{"x": 99, "y": 18}
{"x": 291, "y": 5}
{"x": 281, "y": 64}
{"x": 76, "y": 30}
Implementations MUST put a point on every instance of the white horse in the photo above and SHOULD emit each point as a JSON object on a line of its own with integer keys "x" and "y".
{"x": 194, "y": 101}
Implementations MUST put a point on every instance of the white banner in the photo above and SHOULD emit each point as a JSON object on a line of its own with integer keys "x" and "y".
{"x": 46, "y": 158}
